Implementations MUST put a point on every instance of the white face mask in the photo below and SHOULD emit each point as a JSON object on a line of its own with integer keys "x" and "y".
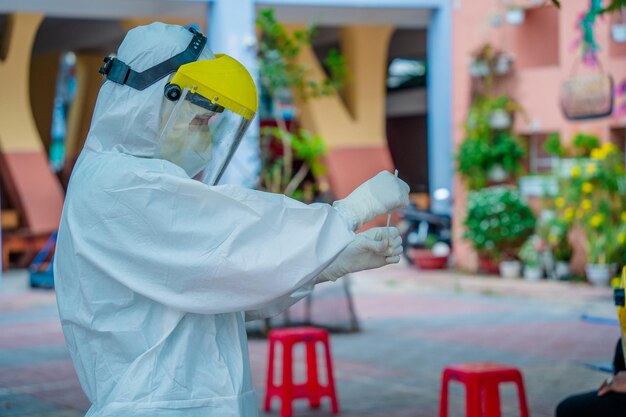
{"x": 186, "y": 136}
{"x": 188, "y": 144}
{"x": 197, "y": 135}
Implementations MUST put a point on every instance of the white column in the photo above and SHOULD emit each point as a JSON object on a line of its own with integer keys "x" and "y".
{"x": 231, "y": 30}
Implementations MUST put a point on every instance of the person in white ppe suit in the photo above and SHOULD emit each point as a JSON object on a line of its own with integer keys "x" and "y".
{"x": 155, "y": 271}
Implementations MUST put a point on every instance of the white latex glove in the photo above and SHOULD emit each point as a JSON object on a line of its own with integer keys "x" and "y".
{"x": 378, "y": 195}
{"x": 371, "y": 249}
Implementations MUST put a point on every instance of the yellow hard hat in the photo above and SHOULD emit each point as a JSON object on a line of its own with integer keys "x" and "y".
{"x": 223, "y": 80}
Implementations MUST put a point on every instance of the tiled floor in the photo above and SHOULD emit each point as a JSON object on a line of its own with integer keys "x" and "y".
{"x": 412, "y": 325}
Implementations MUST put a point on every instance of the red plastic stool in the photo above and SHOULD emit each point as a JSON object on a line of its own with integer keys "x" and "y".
{"x": 311, "y": 389}
{"x": 482, "y": 388}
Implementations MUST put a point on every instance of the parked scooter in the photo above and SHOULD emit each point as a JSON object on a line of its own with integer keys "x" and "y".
{"x": 422, "y": 227}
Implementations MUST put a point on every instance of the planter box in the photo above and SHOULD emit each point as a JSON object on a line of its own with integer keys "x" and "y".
{"x": 425, "y": 259}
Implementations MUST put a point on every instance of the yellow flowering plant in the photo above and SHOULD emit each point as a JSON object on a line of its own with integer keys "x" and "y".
{"x": 593, "y": 198}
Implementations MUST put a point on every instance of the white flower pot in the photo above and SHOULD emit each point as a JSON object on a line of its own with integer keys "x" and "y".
{"x": 618, "y": 31}
{"x": 599, "y": 274}
{"x": 500, "y": 119}
{"x": 510, "y": 269}
{"x": 479, "y": 69}
{"x": 497, "y": 174}
{"x": 562, "y": 269}
{"x": 515, "y": 16}
{"x": 533, "y": 273}
{"x": 503, "y": 65}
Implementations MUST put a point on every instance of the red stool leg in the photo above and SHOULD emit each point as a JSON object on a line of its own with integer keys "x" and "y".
{"x": 269, "y": 387}
{"x": 472, "y": 398}
{"x": 443, "y": 402}
{"x": 287, "y": 385}
{"x": 334, "y": 403}
{"x": 521, "y": 392}
{"x": 313, "y": 384}
{"x": 491, "y": 398}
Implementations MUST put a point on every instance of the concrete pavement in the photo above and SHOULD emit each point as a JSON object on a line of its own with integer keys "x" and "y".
{"x": 412, "y": 325}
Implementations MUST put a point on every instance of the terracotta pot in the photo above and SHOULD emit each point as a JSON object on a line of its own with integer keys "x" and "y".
{"x": 488, "y": 265}
{"x": 425, "y": 259}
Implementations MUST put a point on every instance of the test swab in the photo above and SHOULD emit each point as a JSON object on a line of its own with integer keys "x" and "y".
{"x": 389, "y": 214}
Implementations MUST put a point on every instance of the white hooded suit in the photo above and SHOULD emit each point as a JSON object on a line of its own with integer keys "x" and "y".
{"x": 154, "y": 270}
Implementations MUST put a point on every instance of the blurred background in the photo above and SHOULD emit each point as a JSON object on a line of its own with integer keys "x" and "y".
{"x": 507, "y": 118}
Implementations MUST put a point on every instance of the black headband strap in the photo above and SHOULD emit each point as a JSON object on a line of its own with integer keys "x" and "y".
{"x": 118, "y": 72}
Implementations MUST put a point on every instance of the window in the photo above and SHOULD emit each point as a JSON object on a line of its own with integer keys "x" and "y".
{"x": 538, "y": 160}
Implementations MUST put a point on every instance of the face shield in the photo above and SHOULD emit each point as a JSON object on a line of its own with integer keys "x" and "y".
{"x": 208, "y": 106}
{"x": 201, "y": 135}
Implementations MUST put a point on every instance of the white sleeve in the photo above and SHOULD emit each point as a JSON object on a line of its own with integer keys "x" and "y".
{"x": 208, "y": 249}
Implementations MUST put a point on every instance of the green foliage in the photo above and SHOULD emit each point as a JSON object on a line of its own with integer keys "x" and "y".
{"x": 592, "y": 197}
{"x": 584, "y": 143}
{"x": 553, "y": 145}
{"x": 292, "y": 160}
{"x": 529, "y": 254}
{"x": 278, "y": 53}
{"x": 555, "y": 233}
{"x": 308, "y": 153}
{"x": 498, "y": 221}
{"x": 485, "y": 147}
{"x": 612, "y": 7}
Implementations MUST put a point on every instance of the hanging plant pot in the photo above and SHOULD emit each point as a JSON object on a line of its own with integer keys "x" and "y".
{"x": 515, "y": 16}
{"x": 510, "y": 269}
{"x": 503, "y": 65}
{"x": 479, "y": 68}
{"x": 497, "y": 174}
{"x": 599, "y": 274}
{"x": 500, "y": 119}
{"x": 618, "y": 32}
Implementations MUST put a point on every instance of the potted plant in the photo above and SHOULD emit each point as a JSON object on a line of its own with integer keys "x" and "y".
{"x": 434, "y": 255}
{"x": 530, "y": 256}
{"x": 292, "y": 158}
{"x": 488, "y": 154}
{"x": 554, "y": 233}
{"x": 515, "y": 15}
{"x": 593, "y": 198}
{"x": 497, "y": 223}
{"x": 618, "y": 27}
{"x": 510, "y": 268}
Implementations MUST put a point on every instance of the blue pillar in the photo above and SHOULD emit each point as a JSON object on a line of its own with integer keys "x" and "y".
{"x": 231, "y": 30}
{"x": 440, "y": 149}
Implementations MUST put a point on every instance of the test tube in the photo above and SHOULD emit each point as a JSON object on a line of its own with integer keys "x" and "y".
{"x": 389, "y": 214}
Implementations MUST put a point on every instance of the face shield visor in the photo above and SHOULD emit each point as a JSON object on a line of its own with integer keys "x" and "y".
{"x": 200, "y": 135}
{"x": 208, "y": 106}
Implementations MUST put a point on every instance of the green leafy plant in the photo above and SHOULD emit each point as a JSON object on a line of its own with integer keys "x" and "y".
{"x": 529, "y": 253}
{"x": 498, "y": 222}
{"x": 552, "y": 145}
{"x": 592, "y": 197}
{"x": 555, "y": 234}
{"x": 485, "y": 147}
{"x": 292, "y": 158}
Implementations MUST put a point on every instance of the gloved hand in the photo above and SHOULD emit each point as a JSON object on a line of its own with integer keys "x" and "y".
{"x": 378, "y": 195}
{"x": 371, "y": 249}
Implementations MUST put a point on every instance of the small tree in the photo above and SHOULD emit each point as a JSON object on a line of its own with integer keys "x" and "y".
{"x": 290, "y": 154}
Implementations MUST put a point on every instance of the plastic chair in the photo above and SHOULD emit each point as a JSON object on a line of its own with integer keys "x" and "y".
{"x": 482, "y": 382}
{"x": 311, "y": 389}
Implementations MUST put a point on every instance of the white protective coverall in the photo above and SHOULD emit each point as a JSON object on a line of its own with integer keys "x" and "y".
{"x": 154, "y": 270}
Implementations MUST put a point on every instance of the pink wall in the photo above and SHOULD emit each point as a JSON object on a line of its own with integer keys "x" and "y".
{"x": 542, "y": 49}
